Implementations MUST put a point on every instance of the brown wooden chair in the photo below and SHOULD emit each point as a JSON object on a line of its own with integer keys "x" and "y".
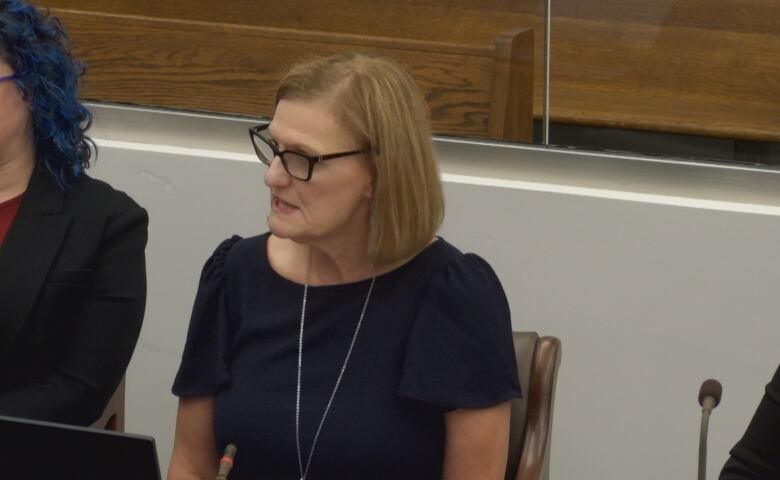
{"x": 531, "y": 421}
{"x": 113, "y": 417}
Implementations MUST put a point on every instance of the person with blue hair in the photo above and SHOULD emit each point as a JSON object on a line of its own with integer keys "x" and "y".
{"x": 72, "y": 266}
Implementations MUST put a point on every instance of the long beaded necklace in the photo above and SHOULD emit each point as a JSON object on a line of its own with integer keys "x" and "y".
{"x": 301, "y": 469}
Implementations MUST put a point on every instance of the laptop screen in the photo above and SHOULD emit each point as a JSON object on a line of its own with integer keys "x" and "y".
{"x": 36, "y": 450}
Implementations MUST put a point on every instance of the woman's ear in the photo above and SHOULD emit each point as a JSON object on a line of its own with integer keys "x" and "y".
{"x": 371, "y": 188}
{"x": 25, "y": 97}
{"x": 368, "y": 192}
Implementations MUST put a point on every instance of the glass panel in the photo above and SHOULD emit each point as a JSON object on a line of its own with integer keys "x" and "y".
{"x": 670, "y": 77}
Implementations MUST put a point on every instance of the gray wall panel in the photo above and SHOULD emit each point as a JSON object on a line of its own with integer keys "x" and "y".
{"x": 649, "y": 299}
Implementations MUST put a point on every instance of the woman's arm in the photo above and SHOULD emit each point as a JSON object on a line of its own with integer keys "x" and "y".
{"x": 194, "y": 449}
{"x": 476, "y": 443}
{"x": 102, "y": 337}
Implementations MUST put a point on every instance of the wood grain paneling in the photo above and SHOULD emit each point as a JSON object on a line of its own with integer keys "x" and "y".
{"x": 512, "y": 76}
{"x": 686, "y": 66}
{"x": 235, "y": 69}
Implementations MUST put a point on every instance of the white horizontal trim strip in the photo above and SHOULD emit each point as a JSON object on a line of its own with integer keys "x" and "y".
{"x": 486, "y": 181}
{"x": 176, "y": 150}
{"x": 615, "y": 194}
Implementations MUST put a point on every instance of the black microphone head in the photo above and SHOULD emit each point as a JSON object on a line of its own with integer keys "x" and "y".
{"x": 710, "y": 388}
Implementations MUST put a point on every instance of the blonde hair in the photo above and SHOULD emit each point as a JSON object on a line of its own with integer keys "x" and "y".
{"x": 382, "y": 104}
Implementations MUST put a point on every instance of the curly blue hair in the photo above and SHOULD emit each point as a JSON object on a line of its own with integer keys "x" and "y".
{"x": 37, "y": 47}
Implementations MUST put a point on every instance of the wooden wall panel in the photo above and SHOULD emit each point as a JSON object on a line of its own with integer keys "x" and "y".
{"x": 683, "y": 66}
{"x": 445, "y": 18}
{"x": 161, "y": 62}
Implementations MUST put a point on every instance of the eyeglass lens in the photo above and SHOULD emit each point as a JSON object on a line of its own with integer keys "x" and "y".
{"x": 296, "y": 165}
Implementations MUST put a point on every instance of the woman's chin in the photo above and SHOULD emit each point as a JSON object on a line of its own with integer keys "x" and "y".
{"x": 276, "y": 230}
{"x": 281, "y": 229}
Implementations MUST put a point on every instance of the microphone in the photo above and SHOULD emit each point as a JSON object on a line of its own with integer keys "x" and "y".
{"x": 709, "y": 398}
{"x": 226, "y": 462}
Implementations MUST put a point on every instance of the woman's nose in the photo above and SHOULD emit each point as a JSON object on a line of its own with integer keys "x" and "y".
{"x": 276, "y": 175}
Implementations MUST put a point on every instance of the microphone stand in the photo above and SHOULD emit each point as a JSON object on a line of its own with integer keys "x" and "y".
{"x": 710, "y": 394}
{"x": 707, "y": 406}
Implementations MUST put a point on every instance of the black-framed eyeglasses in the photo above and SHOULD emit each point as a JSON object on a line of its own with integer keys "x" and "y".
{"x": 7, "y": 77}
{"x": 297, "y": 164}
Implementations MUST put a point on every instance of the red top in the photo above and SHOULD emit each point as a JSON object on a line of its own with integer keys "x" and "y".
{"x": 8, "y": 211}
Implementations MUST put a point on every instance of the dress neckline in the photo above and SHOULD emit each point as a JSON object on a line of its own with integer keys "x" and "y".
{"x": 426, "y": 252}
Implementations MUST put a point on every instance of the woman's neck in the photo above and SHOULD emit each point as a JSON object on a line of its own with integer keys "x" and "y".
{"x": 331, "y": 263}
{"x": 321, "y": 263}
{"x": 16, "y": 169}
{"x": 338, "y": 264}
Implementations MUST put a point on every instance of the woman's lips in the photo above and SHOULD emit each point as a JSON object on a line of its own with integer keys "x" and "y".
{"x": 280, "y": 206}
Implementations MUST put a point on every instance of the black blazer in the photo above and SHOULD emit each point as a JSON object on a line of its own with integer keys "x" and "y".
{"x": 72, "y": 298}
{"x": 757, "y": 455}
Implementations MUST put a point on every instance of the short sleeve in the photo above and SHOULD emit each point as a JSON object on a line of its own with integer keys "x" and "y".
{"x": 460, "y": 352}
{"x": 203, "y": 369}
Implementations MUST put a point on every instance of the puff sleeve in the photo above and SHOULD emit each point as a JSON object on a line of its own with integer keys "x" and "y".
{"x": 460, "y": 352}
{"x": 203, "y": 369}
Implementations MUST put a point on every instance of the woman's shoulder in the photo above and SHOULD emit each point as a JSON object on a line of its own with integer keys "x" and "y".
{"x": 448, "y": 275}
{"x": 99, "y": 197}
{"x": 776, "y": 380}
{"x": 454, "y": 265}
{"x": 235, "y": 265}
{"x": 236, "y": 252}
{"x": 240, "y": 248}
{"x": 464, "y": 288}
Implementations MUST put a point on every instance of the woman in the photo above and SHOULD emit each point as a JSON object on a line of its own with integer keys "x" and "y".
{"x": 757, "y": 455}
{"x": 72, "y": 273}
{"x": 349, "y": 341}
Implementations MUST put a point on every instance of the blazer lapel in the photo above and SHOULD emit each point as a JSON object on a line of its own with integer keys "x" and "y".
{"x": 26, "y": 256}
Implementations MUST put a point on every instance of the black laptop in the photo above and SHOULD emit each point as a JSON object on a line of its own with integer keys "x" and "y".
{"x": 34, "y": 450}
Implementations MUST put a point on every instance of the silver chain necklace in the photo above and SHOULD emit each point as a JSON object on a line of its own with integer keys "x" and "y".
{"x": 304, "y": 471}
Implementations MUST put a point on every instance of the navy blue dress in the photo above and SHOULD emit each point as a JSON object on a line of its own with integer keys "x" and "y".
{"x": 436, "y": 336}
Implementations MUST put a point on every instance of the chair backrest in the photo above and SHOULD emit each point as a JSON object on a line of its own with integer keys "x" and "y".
{"x": 113, "y": 417}
{"x": 531, "y": 418}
